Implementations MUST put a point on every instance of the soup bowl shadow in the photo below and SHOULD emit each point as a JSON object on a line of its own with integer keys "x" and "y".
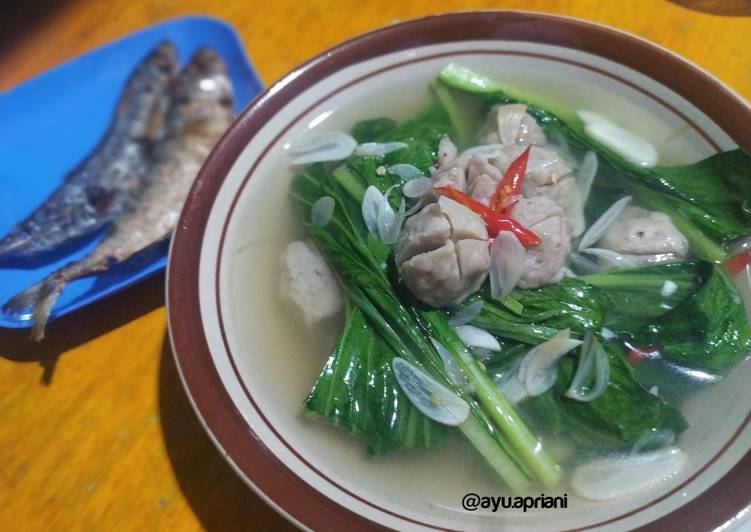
{"x": 217, "y": 496}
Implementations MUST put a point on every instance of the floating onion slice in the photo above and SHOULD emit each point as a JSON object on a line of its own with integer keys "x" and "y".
{"x": 378, "y": 149}
{"x": 507, "y": 256}
{"x": 475, "y": 337}
{"x": 612, "y": 257}
{"x": 654, "y": 439}
{"x": 389, "y": 222}
{"x": 466, "y": 315}
{"x": 406, "y": 171}
{"x": 481, "y": 354}
{"x": 608, "y": 478}
{"x": 455, "y": 374}
{"x": 583, "y": 265}
{"x": 416, "y": 188}
{"x": 371, "y": 205}
{"x": 593, "y": 366}
{"x": 428, "y": 395}
{"x": 330, "y": 146}
{"x": 416, "y": 207}
{"x": 586, "y": 175}
{"x": 539, "y": 367}
{"x": 321, "y": 211}
{"x": 379, "y": 216}
{"x": 603, "y": 223}
{"x": 509, "y": 383}
{"x": 622, "y": 141}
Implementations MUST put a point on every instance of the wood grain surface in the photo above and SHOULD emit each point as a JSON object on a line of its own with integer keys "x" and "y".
{"x": 96, "y": 432}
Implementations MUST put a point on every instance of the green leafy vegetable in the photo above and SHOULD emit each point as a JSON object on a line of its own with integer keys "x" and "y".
{"x": 357, "y": 391}
{"x": 619, "y": 417}
{"x": 699, "y": 321}
{"x": 570, "y": 303}
{"x": 422, "y": 135}
{"x": 372, "y": 130}
{"x": 709, "y": 330}
{"x": 634, "y": 297}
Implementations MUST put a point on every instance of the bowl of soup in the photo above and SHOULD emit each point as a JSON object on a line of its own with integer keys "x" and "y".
{"x": 477, "y": 270}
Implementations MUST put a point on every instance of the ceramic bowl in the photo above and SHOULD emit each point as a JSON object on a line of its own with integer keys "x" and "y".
{"x": 247, "y": 362}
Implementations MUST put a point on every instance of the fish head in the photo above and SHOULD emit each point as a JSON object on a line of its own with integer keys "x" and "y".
{"x": 203, "y": 91}
{"x": 144, "y": 101}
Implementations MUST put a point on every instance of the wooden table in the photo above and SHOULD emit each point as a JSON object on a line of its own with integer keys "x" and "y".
{"x": 95, "y": 429}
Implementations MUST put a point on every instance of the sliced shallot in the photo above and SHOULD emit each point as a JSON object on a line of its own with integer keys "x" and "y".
{"x": 507, "y": 256}
{"x": 466, "y": 315}
{"x": 406, "y": 171}
{"x": 455, "y": 374}
{"x": 371, "y": 204}
{"x": 509, "y": 383}
{"x": 654, "y": 439}
{"x": 539, "y": 367}
{"x": 475, "y": 337}
{"x": 416, "y": 188}
{"x": 584, "y": 265}
{"x": 428, "y": 395}
{"x": 613, "y": 257}
{"x": 586, "y": 175}
{"x": 416, "y": 207}
{"x": 622, "y": 141}
{"x": 612, "y": 477}
{"x": 603, "y": 223}
{"x": 593, "y": 366}
{"x": 378, "y": 149}
{"x": 321, "y": 211}
{"x": 329, "y": 146}
{"x": 379, "y": 216}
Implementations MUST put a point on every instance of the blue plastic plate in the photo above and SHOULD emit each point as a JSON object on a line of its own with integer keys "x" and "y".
{"x": 54, "y": 120}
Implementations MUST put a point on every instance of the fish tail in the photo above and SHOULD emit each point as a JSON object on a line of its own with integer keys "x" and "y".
{"x": 37, "y": 300}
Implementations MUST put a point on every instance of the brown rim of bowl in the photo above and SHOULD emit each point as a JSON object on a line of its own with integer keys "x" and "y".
{"x": 258, "y": 464}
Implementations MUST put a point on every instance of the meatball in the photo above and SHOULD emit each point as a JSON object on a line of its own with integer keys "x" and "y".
{"x": 308, "y": 282}
{"x": 511, "y": 124}
{"x": 545, "y": 168}
{"x": 546, "y": 262}
{"x": 442, "y": 254}
{"x": 645, "y": 237}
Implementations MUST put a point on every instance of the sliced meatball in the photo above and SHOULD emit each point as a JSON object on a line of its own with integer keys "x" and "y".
{"x": 442, "y": 253}
{"x": 464, "y": 222}
{"x": 511, "y": 124}
{"x": 546, "y": 262}
{"x": 434, "y": 276}
{"x": 645, "y": 236}
{"x": 308, "y": 282}
{"x": 427, "y": 230}
{"x": 474, "y": 262}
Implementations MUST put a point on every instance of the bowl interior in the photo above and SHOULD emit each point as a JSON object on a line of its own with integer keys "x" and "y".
{"x": 267, "y": 357}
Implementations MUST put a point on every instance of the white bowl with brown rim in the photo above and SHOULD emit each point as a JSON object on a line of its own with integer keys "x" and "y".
{"x": 247, "y": 365}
